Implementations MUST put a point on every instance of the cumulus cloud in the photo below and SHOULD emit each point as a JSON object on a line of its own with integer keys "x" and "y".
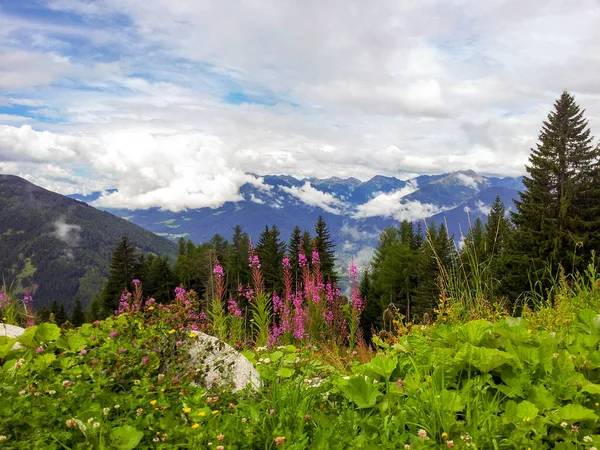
{"x": 313, "y": 197}
{"x": 169, "y": 100}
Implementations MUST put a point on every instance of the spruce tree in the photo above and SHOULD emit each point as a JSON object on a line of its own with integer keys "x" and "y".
{"x": 77, "y": 315}
{"x": 325, "y": 247}
{"x": 496, "y": 228}
{"x": 270, "y": 250}
{"x": 294, "y": 250}
{"x": 557, "y": 217}
{"x": 121, "y": 274}
{"x": 238, "y": 271}
{"x": 307, "y": 243}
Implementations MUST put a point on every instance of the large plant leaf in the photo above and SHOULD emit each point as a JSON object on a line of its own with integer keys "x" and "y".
{"x": 125, "y": 438}
{"x": 576, "y": 413}
{"x": 359, "y": 391}
{"x": 28, "y": 337}
{"x": 484, "y": 359}
{"x": 47, "y": 332}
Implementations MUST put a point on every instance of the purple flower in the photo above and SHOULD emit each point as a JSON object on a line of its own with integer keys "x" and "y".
{"x": 254, "y": 262}
{"x": 122, "y": 350}
{"x": 136, "y": 282}
{"x": 400, "y": 382}
{"x": 39, "y": 350}
{"x": 113, "y": 334}
{"x": 302, "y": 260}
{"x": 286, "y": 263}
{"x": 83, "y": 351}
{"x": 233, "y": 308}
{"x": 145, "y": 360}
{"x": 315, "y": 258}
{"x": 353, "y": 270}
{"x": 218, "y": 271}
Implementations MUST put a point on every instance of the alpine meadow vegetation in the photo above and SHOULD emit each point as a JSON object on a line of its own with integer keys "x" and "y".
{"x": 490, "y": 344}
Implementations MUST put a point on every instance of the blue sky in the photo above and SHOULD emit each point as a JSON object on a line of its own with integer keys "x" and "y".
{"x": 177, "y": 100}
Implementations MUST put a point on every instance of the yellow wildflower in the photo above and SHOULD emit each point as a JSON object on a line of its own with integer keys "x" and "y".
{"x": 215, "y": 412}
{"x": 196, "y": 425}
{"x": 172, "y": 331}
{"x": 153, "y": 402}
{"x": 187, "y": 410}
{"x": 444, "y": 435}
{"x": 193, "y": 335}
{"x": 150, "y": 308}
{"x": 202, "y": 414}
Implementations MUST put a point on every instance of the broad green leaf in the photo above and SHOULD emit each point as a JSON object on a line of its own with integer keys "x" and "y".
{"x": 591, "y": 388}
{"x": 383, "y": 366}
{"x": 275, "y": 356}
{"x": 285, "y": 372}
{"x": 484, "y": 359}
{"x": 576, "y": 413}
{"x": 6, "y": 346}
{"x": 42, "y": 361}
{"x": 28, "y": 337}
{"x": 77, "y": 343}
{"x": 363, "y": 394}
{"x": 474, "y": 331}
{"x": 47, "y": 332}
{"x": 526, "y": 409}
{"x": 125, "y": 438}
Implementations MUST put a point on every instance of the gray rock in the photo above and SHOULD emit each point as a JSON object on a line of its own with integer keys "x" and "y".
{"x": 11, "y": 331}
{"x": 219, "y": 364}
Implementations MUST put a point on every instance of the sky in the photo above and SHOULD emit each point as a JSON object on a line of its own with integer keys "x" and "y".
{"x": 183, "y": 99}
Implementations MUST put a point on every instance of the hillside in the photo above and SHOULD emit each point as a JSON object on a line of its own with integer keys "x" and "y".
{"x": 60, "y": 247}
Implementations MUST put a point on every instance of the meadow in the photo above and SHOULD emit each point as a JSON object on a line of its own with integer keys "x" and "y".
{"x": 490, "y": 381}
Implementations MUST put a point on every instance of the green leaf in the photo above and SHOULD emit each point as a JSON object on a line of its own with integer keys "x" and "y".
{"x": 591, "y": 388}
{"x": 6, "y": 346}
{"x": 474, "y": 332}
{"x": 363, "y": 394}
{"x": 125, "y": 438}
{"x": 42, "y": 362}
{"x": 484, "y": 359}
{"x": 28, "y": 337}
{"x": 383, "y": 366}
{"x": 77, "y": 343}
{"x": 47, "y": 332}
{"x": 285, "y": 372}
{"x": 576, "y": 413}
{"x": 527, "y": 409}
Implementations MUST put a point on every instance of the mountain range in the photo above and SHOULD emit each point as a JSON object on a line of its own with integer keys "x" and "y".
{"x": 355, "y": 211}
{"x": 58, "y": 247}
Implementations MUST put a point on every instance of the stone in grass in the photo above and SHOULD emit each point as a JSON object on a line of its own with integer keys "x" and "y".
{"x": 220, "y": 365}
{"x": 11, "y": 331}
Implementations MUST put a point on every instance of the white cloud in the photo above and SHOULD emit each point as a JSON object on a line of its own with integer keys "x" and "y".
{"x": 313, "y": 197}
{"x": 340, "y": 87}
{"x": 466, "y": 180}
{"x": 393, "y": 205}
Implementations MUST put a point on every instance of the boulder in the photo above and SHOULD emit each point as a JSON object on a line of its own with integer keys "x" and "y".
{"x": 219, "y": 364}
{"x": 11, "y": 331}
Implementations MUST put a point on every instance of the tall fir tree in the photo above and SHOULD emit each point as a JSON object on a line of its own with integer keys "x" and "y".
{"x": 326, "y": 248}
{"x": 558, "y": 217}
{"x": 238, "y": 271}
{"x": 293, "y": 249}
{"x": 122, "y": 270}
{"x": 77, "y": 315}
{"x": 270, "y": 249}
{"x": 496, "y": 228}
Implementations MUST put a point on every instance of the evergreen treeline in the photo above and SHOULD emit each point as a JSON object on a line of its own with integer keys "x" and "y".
{"x": 195, "y": 263}
{"x": 556, "y": 227}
